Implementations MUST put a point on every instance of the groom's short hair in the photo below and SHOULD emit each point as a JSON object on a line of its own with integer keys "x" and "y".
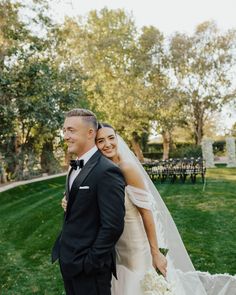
{"x": 85, "y": 114}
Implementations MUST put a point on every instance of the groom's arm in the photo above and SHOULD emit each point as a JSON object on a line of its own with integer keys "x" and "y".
{"x": 110, "y": 196}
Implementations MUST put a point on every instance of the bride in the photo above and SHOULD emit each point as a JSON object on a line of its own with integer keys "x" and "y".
{"x": 146, "y": 216}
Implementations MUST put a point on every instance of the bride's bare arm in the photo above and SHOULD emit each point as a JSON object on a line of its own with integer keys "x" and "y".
{"x": 133, "y": 178}
{"x": 158, "y": 259}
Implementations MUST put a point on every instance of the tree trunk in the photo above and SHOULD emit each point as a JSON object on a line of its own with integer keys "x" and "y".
{"x": 15, "y": 159}
{"x": 136, "y": 147}
{"x": 166, "y": 144}
{"x": 198, "y": 113}
{"x": 198, "y": 132}
{"x": 49, "y": 163}
{"x": 3, "y": 177}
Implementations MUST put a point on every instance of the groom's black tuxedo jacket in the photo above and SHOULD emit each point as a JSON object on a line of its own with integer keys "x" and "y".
{"x": 94, "y": 219}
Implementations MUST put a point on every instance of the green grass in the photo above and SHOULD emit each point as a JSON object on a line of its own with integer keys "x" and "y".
{"x": 31, "y": 218}
{"x": 206, "y": 219}
{"x": 30, "y": 221}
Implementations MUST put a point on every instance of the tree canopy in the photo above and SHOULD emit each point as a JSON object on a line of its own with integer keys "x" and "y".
{"x": 133, "y": 79}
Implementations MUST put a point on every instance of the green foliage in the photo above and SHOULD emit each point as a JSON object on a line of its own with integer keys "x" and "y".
{"x": 12, "y": 30}
{"x": 38, "y": 96}
{"x": 219, "y": 147}
{"x": 153, "y": 155}
{"x": 113, "y": 88}
{"x": 201, "y": 65}
{"x": 35, "y": 91}
{"x": 106, "y": 47}
{"x": 129, "y": 78}
{"x": 178, "y": 150}
{"x": 186, "y": 151}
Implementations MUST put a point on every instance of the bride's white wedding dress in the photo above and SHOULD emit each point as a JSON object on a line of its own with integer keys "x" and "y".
{"x": 133, "y": 254}
{"x": 133, "y": 251}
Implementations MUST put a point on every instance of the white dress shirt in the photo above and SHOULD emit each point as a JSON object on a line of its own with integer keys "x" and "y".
{"x": 84, "y": 157}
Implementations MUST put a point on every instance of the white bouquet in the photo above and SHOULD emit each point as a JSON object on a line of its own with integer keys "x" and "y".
{"x": 155, "y": 284}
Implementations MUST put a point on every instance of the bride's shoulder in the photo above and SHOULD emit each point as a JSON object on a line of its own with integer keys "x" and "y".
{"x": 126, "y": 167}
{"x": 129, "y": 169}
{"x": 132, "y": 175}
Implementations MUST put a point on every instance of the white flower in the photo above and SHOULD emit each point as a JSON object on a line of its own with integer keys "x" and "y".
{"x": 155, "y": 284}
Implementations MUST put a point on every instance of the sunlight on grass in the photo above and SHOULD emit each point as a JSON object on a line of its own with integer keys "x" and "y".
{"x": 32, "y": 219}
{"x": 221, "y": 173}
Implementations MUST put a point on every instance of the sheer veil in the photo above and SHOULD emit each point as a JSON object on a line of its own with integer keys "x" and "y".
{"x": 180, "y": 268}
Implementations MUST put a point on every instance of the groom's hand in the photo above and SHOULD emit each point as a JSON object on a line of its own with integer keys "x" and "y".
{"x": 64, "y": 203}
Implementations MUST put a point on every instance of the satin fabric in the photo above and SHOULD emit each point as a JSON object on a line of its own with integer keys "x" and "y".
{"x": 133, "y": 252}
{"x": 134, "y": 257}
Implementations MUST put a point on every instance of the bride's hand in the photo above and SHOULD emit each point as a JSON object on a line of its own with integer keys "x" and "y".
{"x": 159, "y": 262}
{"x": 64, "y": 203}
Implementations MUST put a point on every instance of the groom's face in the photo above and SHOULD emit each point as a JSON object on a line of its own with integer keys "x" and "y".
{"x": 77, "y": 134}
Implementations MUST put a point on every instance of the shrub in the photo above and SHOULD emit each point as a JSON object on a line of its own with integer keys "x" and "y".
{"x": 219, "y": 147}
{"x": 187, "y": 151}
{"x": 153, "y": 155}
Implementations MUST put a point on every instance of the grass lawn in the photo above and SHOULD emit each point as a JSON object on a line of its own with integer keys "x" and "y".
{"x": 31, "y": 217}
{"x": 206, "y": 219}
{"x": 30, "y": 220}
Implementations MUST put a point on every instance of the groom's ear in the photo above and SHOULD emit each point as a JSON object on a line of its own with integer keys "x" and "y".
{"x": 92, "y": 132}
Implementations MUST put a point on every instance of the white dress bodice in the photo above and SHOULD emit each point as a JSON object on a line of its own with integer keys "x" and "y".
{"x": 132, "y": 248}
{"x": 133, "y": 251}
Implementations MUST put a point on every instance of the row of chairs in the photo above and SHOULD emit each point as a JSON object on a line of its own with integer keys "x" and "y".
{"x": 174, "y": 169}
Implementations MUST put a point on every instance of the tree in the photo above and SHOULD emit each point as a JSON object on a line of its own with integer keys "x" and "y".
{"x": 36, "y": 88}
{"x": 163, "y": 104}
{"x": 106, "y": 48}
{"x": 12, "y": 35}
{"x": 202, "y": 66}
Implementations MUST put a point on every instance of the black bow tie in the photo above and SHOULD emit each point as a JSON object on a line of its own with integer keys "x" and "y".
{"x": 77, "y": 163}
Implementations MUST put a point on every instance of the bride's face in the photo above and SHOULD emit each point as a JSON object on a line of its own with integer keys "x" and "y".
{"x": 106, "y": 142}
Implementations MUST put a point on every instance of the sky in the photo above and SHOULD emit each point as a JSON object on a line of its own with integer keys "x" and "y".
{"x": 168, "y": 16}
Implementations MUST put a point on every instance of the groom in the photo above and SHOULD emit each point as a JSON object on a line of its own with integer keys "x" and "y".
{"x": 94, "y": 218}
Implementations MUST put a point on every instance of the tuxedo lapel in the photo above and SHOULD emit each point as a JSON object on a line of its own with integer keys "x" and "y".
{"x": 80, "y": 178}
{"x": 67, "y": 183}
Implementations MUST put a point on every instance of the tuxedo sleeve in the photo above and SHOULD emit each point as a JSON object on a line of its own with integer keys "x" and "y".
{"x": 110, "y": 198}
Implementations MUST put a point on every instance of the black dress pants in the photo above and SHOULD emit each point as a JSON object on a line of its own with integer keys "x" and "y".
{"x": 92, "y": 284}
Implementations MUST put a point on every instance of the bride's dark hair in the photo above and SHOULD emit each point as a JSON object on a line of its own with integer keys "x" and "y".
{"x": 102, "y": 125}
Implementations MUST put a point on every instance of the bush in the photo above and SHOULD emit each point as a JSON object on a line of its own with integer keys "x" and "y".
{"x": 188, "y": 151}
{"x": 180, "y": 150}
{"x": 153, "y": 155}
{"x": 155, "y": 147}
{"x": 219, "y": 147}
